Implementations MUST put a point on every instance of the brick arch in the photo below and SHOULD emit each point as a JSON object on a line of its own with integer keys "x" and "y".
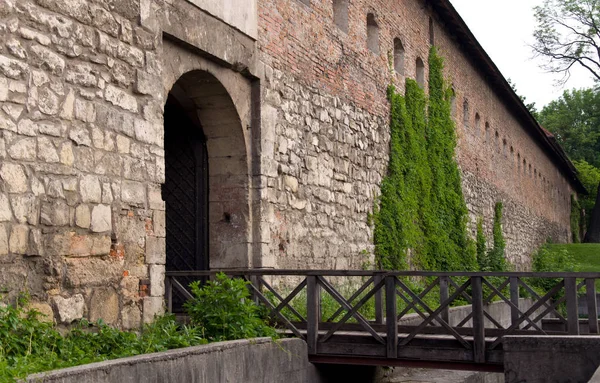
{"x": 210, "y": 106}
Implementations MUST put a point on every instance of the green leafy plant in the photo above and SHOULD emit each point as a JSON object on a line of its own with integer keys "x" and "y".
{"x": 481, "y": 245}
{"x": 28, "y": 344}
{"x": 420, "y": 218}
{"x": 224, "y": 310}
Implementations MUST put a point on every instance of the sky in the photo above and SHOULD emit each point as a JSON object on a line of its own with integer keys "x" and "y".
{"x": 504, "y": 28}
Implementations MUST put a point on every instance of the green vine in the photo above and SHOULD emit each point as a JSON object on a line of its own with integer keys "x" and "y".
{"x": 481, "y": 245}
{"x": 575, "y": 219}
{"x": 421, "y": 218}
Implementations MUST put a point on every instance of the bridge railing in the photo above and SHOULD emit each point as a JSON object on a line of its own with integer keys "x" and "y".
{"x": 413, "y": 315}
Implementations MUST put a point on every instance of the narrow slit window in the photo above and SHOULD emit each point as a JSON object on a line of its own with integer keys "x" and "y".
{"x": 398, "y": 56}
{"x": 372, "y": 33}
{"x": 420, "y": 72}
{"x": 477, "y": 123}
{"x": 431, "y": 32}
{"x": 340, "y": 14}
{"x": 487, "y": 132}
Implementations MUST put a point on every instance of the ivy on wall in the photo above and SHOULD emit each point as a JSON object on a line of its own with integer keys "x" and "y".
{"x": 575, "y": 219}
{"x": 421, "y": 219}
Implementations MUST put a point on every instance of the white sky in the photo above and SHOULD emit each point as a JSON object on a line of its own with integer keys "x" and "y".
{"x": 505, "y": 29}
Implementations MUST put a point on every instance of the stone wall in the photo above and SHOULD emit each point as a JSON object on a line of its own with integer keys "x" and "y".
{"x": 325, "y": 119}
{"x": 296, "y": 122}
{"x": 81, "y": 158}
{"x": 243, "y": 361}
{"x": 550, "y": 358}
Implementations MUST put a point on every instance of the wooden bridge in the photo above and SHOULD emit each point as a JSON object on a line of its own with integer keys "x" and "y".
{"x": 384, "y": 318}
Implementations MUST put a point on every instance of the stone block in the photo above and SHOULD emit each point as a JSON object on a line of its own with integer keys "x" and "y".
{"x": 155, "y": 250}
{"x": 131, "y": 317}
{"x": 69, "y": 309}
{"x": 121, "y": 98}
{"x": 48, "y": 102}
{"x": 3, "y": 240}
{"x": 104, "y": 305}
{"x": 101, "y": 219}
{"x": 5, "y": 211}
{"x": 25, "y": 208}
{"x": 157, "y": 280}
{"x": 43, "y": 308}
{"x": 23, "y": 149}
{"x": 153, "y": 306}
{"x": 90, "y": 189}
{"x": 83, "y": 216}
{"x": 159, "y": 223}
{"x": 14, "y": 178}
{"x": 147, "y": 83}
{"x": 90, "y": 272}
{"x": 133, "y": 192}
{"x": 47, "y": 59}
{"x": 19, "y": 239}
{"x": 36, "y": 244}
{"x": 155, "y": 200}
{"x": 47, "y": 151}
{"x": 55, "y": 213}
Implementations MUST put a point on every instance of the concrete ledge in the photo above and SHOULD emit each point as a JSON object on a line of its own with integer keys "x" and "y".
{"x": 254, "y": 360}
{"x": 550, "y": 358}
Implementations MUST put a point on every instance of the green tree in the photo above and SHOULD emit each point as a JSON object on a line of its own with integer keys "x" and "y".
{"x": 567, "y": 33}
{"x": 575, "y": 121}
{"x": 590, "y": 177}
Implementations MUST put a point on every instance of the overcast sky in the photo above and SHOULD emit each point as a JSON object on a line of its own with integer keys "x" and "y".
{"x": 505, "y": 29}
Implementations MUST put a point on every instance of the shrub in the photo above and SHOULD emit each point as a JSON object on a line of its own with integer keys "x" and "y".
{"x": 223, "y": 310}
{"x": 29, "y": 345}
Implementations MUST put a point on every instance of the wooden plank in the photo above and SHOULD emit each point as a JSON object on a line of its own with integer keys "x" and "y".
{"x": 412, "y": 305}
{"x": 391, "y": 311}
{"x": 283, "y": 319}
{"x": 537, "y": 298}
{"x": 352, "y": 298}
{"x": 434, "y": 315}
{"x": 349, "y": 314}
{"x": 352, "y": 310}
{"x": 572, "y": 308}
{"x": 532, "y": 310}
{"x": 175, "y": 283}
{"x": 361, "y": 273}
{"x": 169, "y": 294}
{"x": 444, "y": 294}
{"x": 379, "y": 311}
{"x": 285, "y": 302}
{"x": 478, "y": 320}
{"x": 592, "y": 305}
{"x": 514, "y": 299}
{"x": 312, "y": 309}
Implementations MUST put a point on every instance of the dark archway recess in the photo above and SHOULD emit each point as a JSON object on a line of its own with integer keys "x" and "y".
{"x": 185, "y": 193}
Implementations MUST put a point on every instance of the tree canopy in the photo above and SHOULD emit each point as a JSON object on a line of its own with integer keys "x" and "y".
{"x": 575, "y": 120}
{"x": 567, "y": 34}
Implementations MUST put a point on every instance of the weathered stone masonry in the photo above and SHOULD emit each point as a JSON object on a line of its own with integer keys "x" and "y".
{"x": 294, "y": 114}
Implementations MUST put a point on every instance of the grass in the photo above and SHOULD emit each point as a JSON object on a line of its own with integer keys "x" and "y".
{"x": 585, "y": 255}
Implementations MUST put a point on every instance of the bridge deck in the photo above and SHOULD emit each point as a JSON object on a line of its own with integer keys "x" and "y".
{"x": 358, "y": 317}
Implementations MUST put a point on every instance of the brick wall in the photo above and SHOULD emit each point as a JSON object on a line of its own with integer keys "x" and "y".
{"x": 327, "y": 81}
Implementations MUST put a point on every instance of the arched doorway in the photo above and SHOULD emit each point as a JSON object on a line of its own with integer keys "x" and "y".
{"x": 185, "y": 191}
{"x": 206, "y": 189}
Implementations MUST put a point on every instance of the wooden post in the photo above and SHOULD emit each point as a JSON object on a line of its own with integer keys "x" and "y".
{"x": 514, "y": 298}
{"x": 444, "y": 294}
{"x": 169, "y": 294}
{"x": 572, "y": 309}
{"x": 478, "y": 320}
{"x": 255, "y": 282}
{"x": 312, "y": 310}
{"x": 379, "y": 314}
{"x": 592, "y": 305}
{"x": 391, "y": 311}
